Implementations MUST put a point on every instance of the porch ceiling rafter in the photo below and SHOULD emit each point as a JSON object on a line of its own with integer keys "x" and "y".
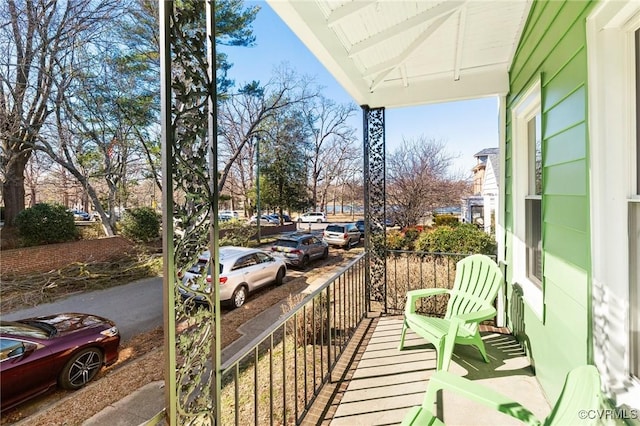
{"x": 462, "y": 22}
{"x": 401, "y": 27}
{"x": 347, "y": 10}
{"x": 384, "y": 69}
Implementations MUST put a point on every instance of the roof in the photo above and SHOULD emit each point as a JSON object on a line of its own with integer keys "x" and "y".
{"x": 494, "y": 161}
{"x": 486, "y": 152}
{"x": 402, "y": 53}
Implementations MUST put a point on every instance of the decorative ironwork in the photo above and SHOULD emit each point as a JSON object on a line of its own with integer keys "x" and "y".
{"x": 374, "y": 206}
{"x": 189, "y": 148}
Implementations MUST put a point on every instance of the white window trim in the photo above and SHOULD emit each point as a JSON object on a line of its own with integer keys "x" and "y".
{"x": 521, "y": 114}
{"x": 610, "y": 45}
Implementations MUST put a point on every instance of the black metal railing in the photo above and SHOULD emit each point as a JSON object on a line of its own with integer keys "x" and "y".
{"x": 410, "y": 270}
{"x": 276, "y": 378}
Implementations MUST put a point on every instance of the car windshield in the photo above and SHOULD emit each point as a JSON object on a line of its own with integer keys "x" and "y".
{"x": 199, "y": 267}
{"x": 335, "y": 228}
{"x": 32, "y": 329}
{"x": 286, "y": 243}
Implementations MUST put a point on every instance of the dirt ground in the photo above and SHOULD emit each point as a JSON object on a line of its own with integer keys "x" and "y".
{"x": 141, "y": 358}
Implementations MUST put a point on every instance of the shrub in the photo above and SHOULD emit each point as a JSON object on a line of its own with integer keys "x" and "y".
{"x": 463, "y": 238}
{"x": 410, "y": 237}
{"x": 141, "y": 224}
{"x": 395, "y": 240}
{"x": 46, "y": 224}
{"x": 446, "y": 220}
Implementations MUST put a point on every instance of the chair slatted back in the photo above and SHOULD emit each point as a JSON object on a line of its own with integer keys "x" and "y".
{"x": 581, "y": 392}
{"x": 476, "y": 285}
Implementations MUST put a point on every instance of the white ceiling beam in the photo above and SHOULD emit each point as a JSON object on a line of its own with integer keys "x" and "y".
{"x": 441, "y": 9}
{"x": 347, "y": 10}
{"x": 403, "y": 74}
{"x": 472, "y": 86}
{"x": 383, "y": 69}
{"x": 462, "y": 26}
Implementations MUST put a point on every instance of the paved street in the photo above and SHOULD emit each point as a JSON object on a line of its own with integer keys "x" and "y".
{"x": 134, "y": 307}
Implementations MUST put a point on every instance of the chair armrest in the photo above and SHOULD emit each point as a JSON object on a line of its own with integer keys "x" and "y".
{"x": 481, "y": 315}
{"x": 414, "y": 295}
{"x": 443, "y": 380}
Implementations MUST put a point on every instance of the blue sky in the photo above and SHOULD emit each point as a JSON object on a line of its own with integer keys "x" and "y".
{"x": 466, "y": 126}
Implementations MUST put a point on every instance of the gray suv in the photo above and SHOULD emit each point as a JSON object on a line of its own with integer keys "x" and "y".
{"x": 345, "y": 236}
{"x": 299, "y": 249}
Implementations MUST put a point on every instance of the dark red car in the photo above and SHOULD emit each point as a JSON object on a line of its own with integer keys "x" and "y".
{"x": 65, "y": 349}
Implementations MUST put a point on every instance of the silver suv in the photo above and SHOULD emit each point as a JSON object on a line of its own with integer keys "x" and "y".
{"x": 313, "y": 217}
{"x": 299, "y": 249}
{"x": 242, "y": 270}
{"x": 345, "y": 236}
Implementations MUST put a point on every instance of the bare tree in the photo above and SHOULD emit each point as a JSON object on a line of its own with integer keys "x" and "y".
{"x": 37, "y": 38}
{"x": 332, "y": 145}
{"x": 418, "y": 180}
{"x": 242, "y": 120}
{"x": 34, "y": 173}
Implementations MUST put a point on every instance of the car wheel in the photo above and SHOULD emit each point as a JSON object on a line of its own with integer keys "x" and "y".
{"x": 325, "y": 253}
{"x": 80, "y": 369}
{"x": 305, "y": 262}
{"x": 280, "y": 276}
{"x": 319, "y": 220}
{"x": 239, "y": 296}
{"x": 299, "y": 220}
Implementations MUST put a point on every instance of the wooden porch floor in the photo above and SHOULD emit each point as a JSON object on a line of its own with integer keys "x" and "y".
{"x": 378, "y": 383}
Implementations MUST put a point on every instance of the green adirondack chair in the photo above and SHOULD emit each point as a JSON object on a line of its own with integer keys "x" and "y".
{"x": 476, "y": 285}
{"x": 581, "y": 393}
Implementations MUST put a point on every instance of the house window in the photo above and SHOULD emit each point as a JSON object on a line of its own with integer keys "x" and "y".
{"x": 527, "y": 158}
{"x": 533, "y": 201}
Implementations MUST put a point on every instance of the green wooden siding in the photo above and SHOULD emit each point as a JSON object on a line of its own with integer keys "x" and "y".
{"x": 553, "y": 48}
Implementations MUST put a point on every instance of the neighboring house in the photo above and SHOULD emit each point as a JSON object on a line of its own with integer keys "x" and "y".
{"x": 568, "y": 221}
{"x": 491, "y": 193}
{"x": 481, "y": 207}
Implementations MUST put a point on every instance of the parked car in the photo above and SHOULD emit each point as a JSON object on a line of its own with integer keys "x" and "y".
{"x": 66, "y": 349}
{"x": 360, "y": 226}
{"x": 313, "y": 217}
{"x": 242, "y": 270}
{"x": 285, "y": 217}
{"x": 345, "y": 236}
{"x": 299, "y": 249}
{"x": 80, "y": 215}
{"x": 264, "y": 220}
{"x": 229, "y": 213}
{"x": 224, "y": 217}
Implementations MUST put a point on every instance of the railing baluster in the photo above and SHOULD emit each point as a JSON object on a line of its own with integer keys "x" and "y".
{"x": 295, "y": 363}
{"x": 284, "y": 373}
{"x": 271, "y": 380}
{"x": 255, "y": 386}
{"x": 236, "y": 393}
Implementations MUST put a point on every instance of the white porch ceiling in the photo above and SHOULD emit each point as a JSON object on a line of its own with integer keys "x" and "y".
{"x": 393, "y": 53}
